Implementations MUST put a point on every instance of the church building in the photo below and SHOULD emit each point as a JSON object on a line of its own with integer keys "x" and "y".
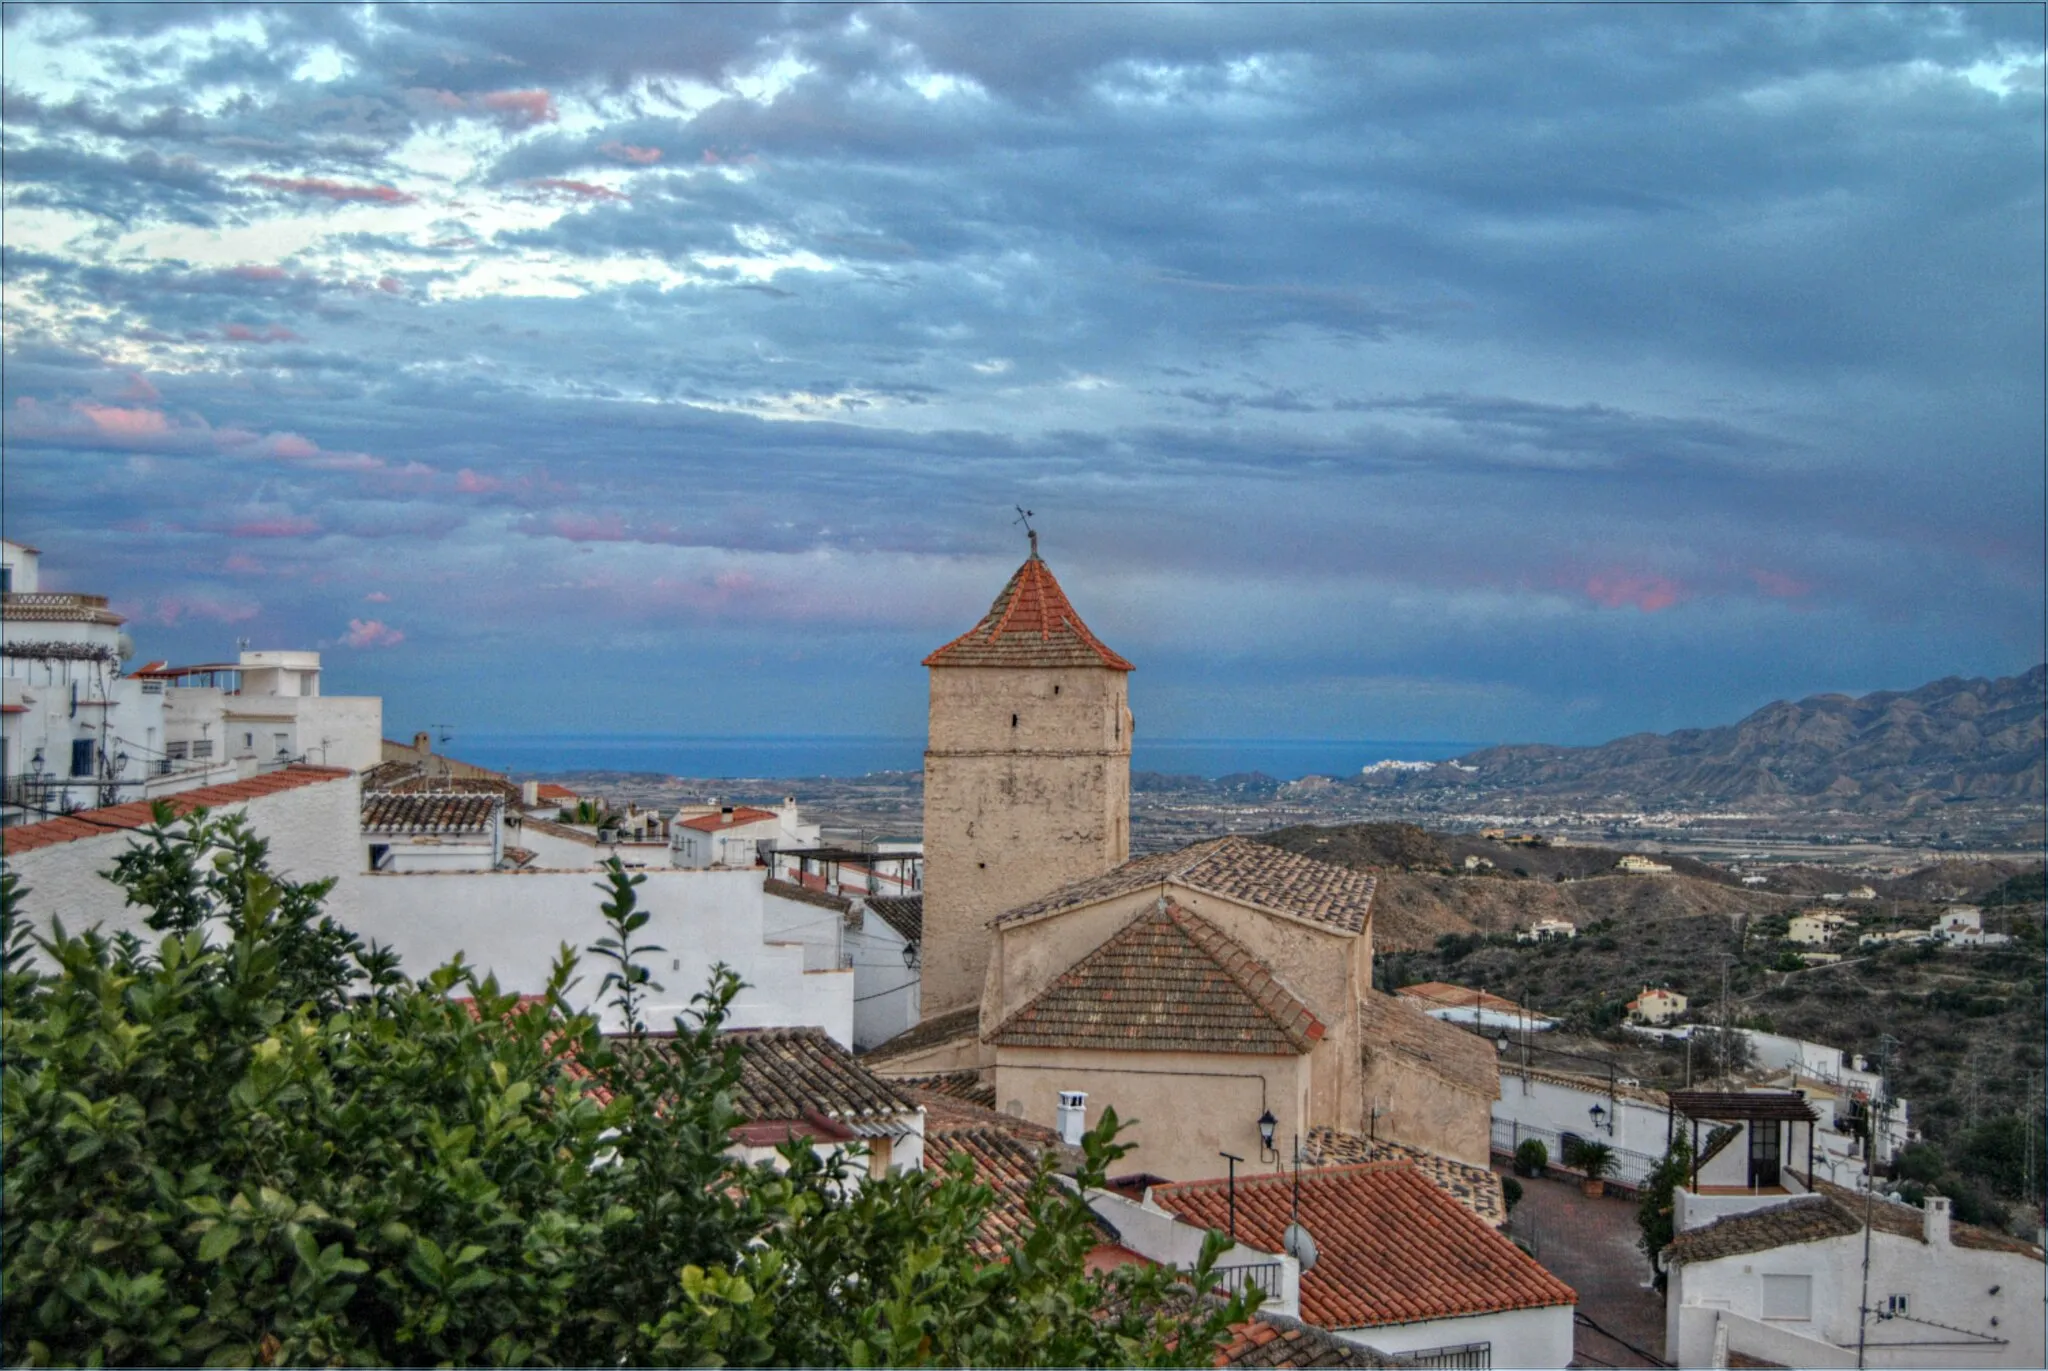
{"x": 1221, "y": 995}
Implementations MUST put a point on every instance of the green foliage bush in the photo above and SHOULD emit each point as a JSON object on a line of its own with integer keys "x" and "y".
{"x": 255, "y": 1141}
{"x": 1657, "y": 1200}
{"x": 1531, "y": 1157}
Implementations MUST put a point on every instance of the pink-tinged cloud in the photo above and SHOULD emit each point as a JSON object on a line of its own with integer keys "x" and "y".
{"x": 626, "y": 152}
{"x": 1780, "y": 586}
{"x": 1648, "y": 593}
{"x": 243, "y": 563}
{"x": 276, "y": 333}
{"x": 139, "y": 390}
{"x": 377, "y": 597}
{"x": 171, "y": 610}
{"x": 371, "y": 633}
{"x": 291, "y": 445}
{"x": 333, "y": 190}
{"x": 474, "y": 483}
{"x": 581, "y": 188}
{"x": 521, "y": 106}
{"x": 710, "y": 158}
{"x": 391, "y": 285}
{"x": 283, "y": 526}
{"x": 111, "y": 421}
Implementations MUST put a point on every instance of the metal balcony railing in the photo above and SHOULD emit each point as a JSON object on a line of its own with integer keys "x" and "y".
{"x": 1263, "y": 1276}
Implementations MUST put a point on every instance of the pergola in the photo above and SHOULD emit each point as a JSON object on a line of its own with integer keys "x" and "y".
{"x": 1749, "y": 1107}
{"x": 829, "y": 859}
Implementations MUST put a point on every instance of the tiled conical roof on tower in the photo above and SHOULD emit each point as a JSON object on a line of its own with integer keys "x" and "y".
{"x": 1030, "y": 624}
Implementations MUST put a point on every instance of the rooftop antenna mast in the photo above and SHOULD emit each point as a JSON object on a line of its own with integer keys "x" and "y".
{"x": 1024, "y": 517}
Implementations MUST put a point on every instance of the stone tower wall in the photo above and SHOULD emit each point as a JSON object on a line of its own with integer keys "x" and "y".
{"x": 1027, "y": 787}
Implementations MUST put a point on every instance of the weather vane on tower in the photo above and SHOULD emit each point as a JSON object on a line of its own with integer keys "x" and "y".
{"x": 1024, "y": 518}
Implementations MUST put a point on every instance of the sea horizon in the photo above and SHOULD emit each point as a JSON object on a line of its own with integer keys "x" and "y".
{"x": 846, "y": 756}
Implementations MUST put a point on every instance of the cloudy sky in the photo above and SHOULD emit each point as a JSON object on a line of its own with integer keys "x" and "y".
{"x": 1488, "y": 373}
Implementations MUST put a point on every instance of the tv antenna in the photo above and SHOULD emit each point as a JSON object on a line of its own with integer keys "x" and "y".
{"x": 1024, "y": 517}
{"x": 442, "y": 733}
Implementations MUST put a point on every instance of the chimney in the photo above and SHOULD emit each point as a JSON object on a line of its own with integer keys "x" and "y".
{"x": 423, "y": 743}
{"x": 529, "y": 793}
{"x": 1935, "y": 1222}
{"x": 1073, "y": 1116}
{"x": 725, "y": 815}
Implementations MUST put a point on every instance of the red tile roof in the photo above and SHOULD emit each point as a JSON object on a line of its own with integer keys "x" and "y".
{"x": 1030, "y": 624}
{"x": 1395, "y": 1248}
{"x": 1003, "y": 1162}
{"x": 741, "y": 814}
{"x": 92, "y": 823}
{"x": 1168, "y": 981}
{"x": 1236, "y": 868}
{"x": 1273, "y": 1340}
{"x": 548, "y": 790}
{"x": 428, "y": 813}
{"x": 1444, "y": 995}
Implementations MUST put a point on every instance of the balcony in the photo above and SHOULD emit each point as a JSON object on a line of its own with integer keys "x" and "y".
{"x": 1263, "y": 1276}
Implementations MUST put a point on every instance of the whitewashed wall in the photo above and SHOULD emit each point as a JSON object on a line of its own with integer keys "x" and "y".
{"x": 1535, "y": 1102}
{"x": 314, "y": 831}
{"x": 886, "y": 988}
{"x": 1944, "y": 1283}
{"x": 1528, "y": 1338}
{"x": 514, "y": 922}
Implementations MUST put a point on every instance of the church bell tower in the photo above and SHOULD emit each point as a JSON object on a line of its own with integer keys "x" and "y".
{"x": 1027, "y": 773}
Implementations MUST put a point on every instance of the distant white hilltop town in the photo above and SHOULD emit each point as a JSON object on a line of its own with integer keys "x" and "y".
{"x": 996, "y": 989}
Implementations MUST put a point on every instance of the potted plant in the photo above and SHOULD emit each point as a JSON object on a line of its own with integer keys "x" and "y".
{"x": 1596, "y": 1159}
{"x": 1531, "y": 1156}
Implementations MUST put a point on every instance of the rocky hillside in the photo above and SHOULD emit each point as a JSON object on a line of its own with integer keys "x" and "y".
{"x": 1950, "y": 742}
{"x": 1425, "y": 891}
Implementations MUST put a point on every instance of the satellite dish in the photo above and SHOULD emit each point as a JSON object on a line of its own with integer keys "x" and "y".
{"x": 1299, "y": 1245}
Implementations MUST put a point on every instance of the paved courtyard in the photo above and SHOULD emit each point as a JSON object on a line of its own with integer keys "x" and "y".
{"x": 1590, "y": 1244}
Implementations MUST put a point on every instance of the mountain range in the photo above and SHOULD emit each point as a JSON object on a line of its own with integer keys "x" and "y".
{"x": 1953, "y": 741}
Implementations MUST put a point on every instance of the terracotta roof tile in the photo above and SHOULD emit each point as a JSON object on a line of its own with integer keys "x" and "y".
{"x": 1455, "y": 1057}
{"x": 789, "y": 890}
{"x": 416, "y": 812}
{"x": 1909, "y": 1221}
{"x": 1237, "y": 869}
{"x": 1031, "y": 624}
{"x": 1395, "y": 1248}
{"x": 1808, "y": 1218}
{"x": 741, "y": 814}
{"x": 1002, "y": 1161}
{"x": 1273, "y": 1340}
{"x": 94, "y": 823}
{"x": 965, "y": 1086}
{"x": 790, "y": 1074}
{"x": 1168, "y": 981}
{"x": 904, "y": 913}
{"x": 958, "y": 1023}
{"x": 1475, "y": 1187}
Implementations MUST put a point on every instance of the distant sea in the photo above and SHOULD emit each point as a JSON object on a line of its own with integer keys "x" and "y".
{"x": 531, "y": 754}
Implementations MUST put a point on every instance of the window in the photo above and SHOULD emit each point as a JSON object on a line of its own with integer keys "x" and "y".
{"x": 177, "y": 752}
{"x": 248, "y": 740}
{"x": 1788, "y": 1297}
{"x": 6, "y": 580}
{"x": 81, "y": 756}
{"x": 1897, "y": 1304}
{"x": 202, "y": 748}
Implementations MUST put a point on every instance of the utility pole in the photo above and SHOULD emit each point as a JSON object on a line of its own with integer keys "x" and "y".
{"x": 1883, "y": 1103}
{"x": 1721, "y": 1048}
{"x": 1233, "y": 1159}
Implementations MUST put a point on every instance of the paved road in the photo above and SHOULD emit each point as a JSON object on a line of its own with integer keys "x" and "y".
{"x": 1590, "y": 1244}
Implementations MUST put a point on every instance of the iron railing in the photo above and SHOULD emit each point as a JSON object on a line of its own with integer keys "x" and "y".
{"x": 1265, "y": 1276}
{"x": 1464, "y": 1354}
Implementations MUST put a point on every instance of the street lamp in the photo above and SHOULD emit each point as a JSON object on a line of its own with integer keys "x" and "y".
{"x": 1600, "y": 1118}
{"x": 1267, "y": 1123}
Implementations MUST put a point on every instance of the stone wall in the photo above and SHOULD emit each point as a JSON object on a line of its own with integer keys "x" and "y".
{"x": 1027, "y": 788}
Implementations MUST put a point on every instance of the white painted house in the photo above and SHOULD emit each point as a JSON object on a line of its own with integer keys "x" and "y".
{"x": 736, "y": 835}
{"x": 265, "y": 709}
{"x": 511, "y": 923}
{"x": 1783, "y": 1282}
